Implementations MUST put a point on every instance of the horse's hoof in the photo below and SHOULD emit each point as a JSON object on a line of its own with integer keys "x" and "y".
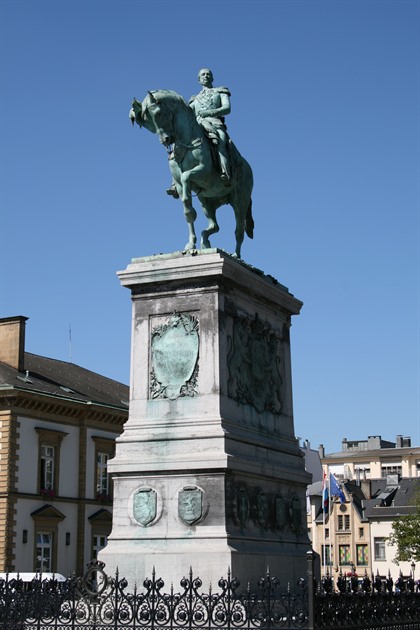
{"x": 191, "y": 252}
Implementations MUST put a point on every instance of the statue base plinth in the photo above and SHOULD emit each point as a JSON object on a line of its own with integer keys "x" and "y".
{"x": 208, "y": 473}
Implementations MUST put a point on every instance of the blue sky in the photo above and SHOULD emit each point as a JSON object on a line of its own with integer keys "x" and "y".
{"x": 325, "y": 107}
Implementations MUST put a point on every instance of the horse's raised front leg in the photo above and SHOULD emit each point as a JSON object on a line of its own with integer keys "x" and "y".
{"x": 209, "y": 209}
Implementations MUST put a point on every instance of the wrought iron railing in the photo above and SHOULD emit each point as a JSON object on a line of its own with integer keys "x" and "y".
{"x": 352, "y": 602}
{"x": 99, "y": 602}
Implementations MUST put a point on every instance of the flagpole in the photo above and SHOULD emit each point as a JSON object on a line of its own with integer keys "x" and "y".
{"x": 335, "y": 491}
{"x": 323, "y": 532}
{"x": 324, "y": 547}
{"x": 330, "y": 498}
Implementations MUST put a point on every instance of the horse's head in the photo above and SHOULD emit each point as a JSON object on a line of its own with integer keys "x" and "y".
{"x": 155, "y": 115}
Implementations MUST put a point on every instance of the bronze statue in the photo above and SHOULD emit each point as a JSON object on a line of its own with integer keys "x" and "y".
{"x": 192, "y": 133}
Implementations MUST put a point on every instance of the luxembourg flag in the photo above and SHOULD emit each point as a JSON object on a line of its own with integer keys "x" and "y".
{"x": 335, "y": 490}
{"x": 325, "y": 497}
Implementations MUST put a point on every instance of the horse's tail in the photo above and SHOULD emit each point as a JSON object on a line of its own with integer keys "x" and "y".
{"x": 249, "y": 221}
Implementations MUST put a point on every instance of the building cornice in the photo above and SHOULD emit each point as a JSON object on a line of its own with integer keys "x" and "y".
{"x": 32, "y": 403}
{"x": 389, "y": 453}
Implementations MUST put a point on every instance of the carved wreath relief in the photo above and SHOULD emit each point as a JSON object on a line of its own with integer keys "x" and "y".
{"x": 254, "y": 366}
{"x": 262, "y": 509}
{"x": 280, "y": 510}
{"x": 242, "y": 506}
{"x": 268, "y": 512}
{"x": 174, "y": 357}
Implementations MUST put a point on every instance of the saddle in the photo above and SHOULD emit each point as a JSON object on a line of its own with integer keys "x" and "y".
{"x": 212, "y": 136}
{"x": 213, "y": 143}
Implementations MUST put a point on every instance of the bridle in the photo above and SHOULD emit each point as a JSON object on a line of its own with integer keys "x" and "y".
{"x": 162, "y": 106}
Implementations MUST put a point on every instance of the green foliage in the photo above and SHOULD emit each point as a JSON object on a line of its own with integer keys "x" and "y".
{"x": 405, "y": 534}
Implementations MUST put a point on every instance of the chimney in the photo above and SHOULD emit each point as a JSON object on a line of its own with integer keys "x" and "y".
{"x": 321, "y": 451}
{"x": 12, "y": 341}
{"x": 366, "y": 488}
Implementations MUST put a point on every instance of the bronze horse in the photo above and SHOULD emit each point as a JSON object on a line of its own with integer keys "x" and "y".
{"x": 193, "y": 166}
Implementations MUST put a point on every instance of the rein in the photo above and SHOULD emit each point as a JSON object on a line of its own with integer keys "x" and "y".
{"x": 194, "y": 144}
{"x": 175, "y": 152}
{"x": 187, "y": 147}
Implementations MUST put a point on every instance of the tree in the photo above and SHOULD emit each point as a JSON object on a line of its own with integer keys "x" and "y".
{"x": 405, "y": 534}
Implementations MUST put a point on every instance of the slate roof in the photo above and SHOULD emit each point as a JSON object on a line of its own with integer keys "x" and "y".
{"x": 390, "y": 501}
{"x": 64, "y": 380}
{"x": 387, "y": 500}
{"x": 351, "y": 487}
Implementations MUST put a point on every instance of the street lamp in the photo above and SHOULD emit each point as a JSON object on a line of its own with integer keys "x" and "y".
{"x": 413, "y": 567}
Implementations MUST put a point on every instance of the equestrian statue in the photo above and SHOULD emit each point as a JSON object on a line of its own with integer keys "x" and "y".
{"x": 202, "y": 158}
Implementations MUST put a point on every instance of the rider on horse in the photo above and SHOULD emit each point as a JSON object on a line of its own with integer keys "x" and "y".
{"x": 210, "y": 106}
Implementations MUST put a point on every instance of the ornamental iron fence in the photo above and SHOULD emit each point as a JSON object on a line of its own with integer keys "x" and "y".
{"x": 97, "y": 601}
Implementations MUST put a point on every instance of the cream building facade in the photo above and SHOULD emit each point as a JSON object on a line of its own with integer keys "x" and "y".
{"x": 379, "y": 480}
{"x": 58, "y": 425}
{"x": 373, "y": 458}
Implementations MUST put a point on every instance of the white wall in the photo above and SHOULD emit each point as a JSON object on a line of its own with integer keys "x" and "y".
{"x": 383, "y": 530}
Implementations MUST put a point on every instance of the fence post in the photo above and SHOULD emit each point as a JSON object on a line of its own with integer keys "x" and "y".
{"x": 311, "y": 588}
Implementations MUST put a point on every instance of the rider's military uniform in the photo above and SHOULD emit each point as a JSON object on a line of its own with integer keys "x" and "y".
{"x": 205, "y": 101}
{"x": 208, "y": 100}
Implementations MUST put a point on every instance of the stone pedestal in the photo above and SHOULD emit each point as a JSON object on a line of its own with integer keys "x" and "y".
{"x": 208, "y": 473}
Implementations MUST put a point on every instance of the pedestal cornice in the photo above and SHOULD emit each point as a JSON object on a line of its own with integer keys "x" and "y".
{"x": 151, "y": 274}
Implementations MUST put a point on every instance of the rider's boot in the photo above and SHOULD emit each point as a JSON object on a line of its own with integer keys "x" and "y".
{"x": 172, "y": 191}
{"x": 225, "y": 176}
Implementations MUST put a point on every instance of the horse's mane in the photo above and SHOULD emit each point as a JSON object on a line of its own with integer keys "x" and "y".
{"x": 162, "y": 95}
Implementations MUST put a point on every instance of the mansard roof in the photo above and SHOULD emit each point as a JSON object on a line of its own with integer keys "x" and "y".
{"x": 376, "y": 499}
{"x": 390, "y": 500}
{"x": 63, "y": 380}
